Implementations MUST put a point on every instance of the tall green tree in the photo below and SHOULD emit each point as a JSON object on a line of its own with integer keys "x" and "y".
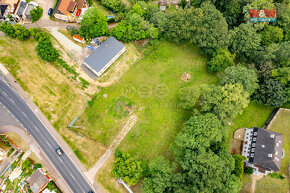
{"x": 128, "y": 168}
{"x": 93, "y": 24}
{"x": 134, "y": 27}
{"x": 7, "y": 28}
{"x": 46, "y": 51}
{"x": 225, "y": 101}
{"x": 271, "y": 93}
{"x": 220, "y": 60}
{"x": 244, "y": 41}
{"x": 282, "y": 75}
{"x": 160, "y": 178}
{"x": 242, "y": 75}
{"x": 212, "y": 29}
{"x": 272, "y": 35}
{"x": 112, "y": 4}
{"x": 160, "y": 20}
{"x": 189, "y": 96}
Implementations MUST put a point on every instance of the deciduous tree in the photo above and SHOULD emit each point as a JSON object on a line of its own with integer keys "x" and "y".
{"x": 93, "y": 24}
{"x": 225, "y": 101}
{"x": 189, "y": 96}
{"x": 242, "y": 75}
{"x": 160, "y": 178}
{"x": 271, "y": 35}
{"x": 36, "y": 13}
{"x": 220, "y": 60}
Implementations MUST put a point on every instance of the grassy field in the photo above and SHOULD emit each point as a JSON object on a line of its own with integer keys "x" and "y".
{"x": 254, "y": 115}
{"x": 270, "y": 185}
{"x": 57, "y": 96}
{"x": 282, "y": 125}
{"x": 152, "y": 85}
{"x": 246, "y": 183}
{"x": 102, "y": 9}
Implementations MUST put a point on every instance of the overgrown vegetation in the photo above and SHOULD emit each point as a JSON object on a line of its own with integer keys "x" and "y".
{"x": 36, "y": 13}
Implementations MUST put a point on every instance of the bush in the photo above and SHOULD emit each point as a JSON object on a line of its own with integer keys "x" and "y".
{"x": 68, "y": 68}
{"x": 39, "y": 35}
{"x": 36, "y": 13}
{"x": 20, "y": 32}
{"x": 11, "y": 150}
{"x": 85, "y": 83}
{"x": 221, "y": 59}
{"x": 248, "y": 170}
{"x": 239, "y": 165}
{"x": 112, "y": 4}
{"x": 7, "y": 28}
{"x": 36, "y": 166}
{"x": 46, "y": 51}
{"x": 276, "y": 175}
{"x": 73, "y": 31}
{"x": 128, "y": 168}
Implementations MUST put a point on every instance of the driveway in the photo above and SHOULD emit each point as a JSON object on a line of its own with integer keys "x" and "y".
{"x": 74, "y": 50}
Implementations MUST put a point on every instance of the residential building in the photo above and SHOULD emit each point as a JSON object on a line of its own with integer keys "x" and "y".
{"x": 11, "y": 5}
{"x": 104, "y": 56}
{"x": 38, "y": 180}
{"x": 3, "y": 11}
{"x": 66, "y": 9}
{"x": 263, "y": 150}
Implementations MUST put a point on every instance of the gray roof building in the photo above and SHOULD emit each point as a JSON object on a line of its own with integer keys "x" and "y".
{"x": 266, "y": 149}
{"x": 28, "y": 9}
{"x": 21, "y": 8}
{"x": 3, "y": 9}
{"x": 38, "y": 180}
{"x": 104, "y": 56}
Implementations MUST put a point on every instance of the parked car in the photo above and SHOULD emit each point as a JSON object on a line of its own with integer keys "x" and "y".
{"x": 59, "y": 151}
{"x": 50, "y": 11}
{"x": 78, "y": 12}
{"x": 68, "y": 27}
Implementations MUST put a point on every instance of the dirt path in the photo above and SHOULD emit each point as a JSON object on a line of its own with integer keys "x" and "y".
{"x": 129, "y": 124}
{"x": 254, "y": 180}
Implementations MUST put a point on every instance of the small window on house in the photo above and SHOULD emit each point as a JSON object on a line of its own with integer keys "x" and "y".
{"x": 253, "y": 144}
{"x": 272, "y": 135}
{"x": 254, "y": 139}
{"x": 252, "y": 155}
{"x": 263, "y": 146}
{"x": 255, "y": 133}
{"x": 253, "y": 149}
{"x": 246, "y": 142}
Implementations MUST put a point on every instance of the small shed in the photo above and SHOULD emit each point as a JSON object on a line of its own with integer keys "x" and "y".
{"x": 38, "y": 180}
{"x": 162, "y": 5}
{"x": 79, "y": 39}
{"x": 104, "y": 56}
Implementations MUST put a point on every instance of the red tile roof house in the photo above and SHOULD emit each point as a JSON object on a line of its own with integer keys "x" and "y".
{"x": 38, "y": 180}
{"x": 66, "y": 8}
{"x": 78, "y": 38}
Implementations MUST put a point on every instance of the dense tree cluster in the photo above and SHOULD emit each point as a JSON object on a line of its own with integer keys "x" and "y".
{"x": 220, "y": 60}
{"x": 135, "y": 27}
{"x": 205, "y": 165}
{"x": 93, "y": 24}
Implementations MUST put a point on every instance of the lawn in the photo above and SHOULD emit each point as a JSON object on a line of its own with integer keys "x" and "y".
{"x": 282, "y": 125}
{"x": 66, "y": 33}
{"x": 270, "y": 185}
{"x": 247, "y": 181}
{"x": 255, "y": 115}
{"x": 151, "y": 85}
{"x": 55, "y": 94}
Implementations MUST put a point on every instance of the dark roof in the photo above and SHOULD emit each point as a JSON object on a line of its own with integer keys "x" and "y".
{"x": 2, "y": 10}
{"x": 21, "y": 8}
{"x": 38, "y": 180}
{"x": 104, "y": 54}
{"x": 268, "y": 149}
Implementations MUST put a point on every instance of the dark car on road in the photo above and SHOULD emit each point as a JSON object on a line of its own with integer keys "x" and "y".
{"x": 50, "y": 11}
{"x": 59, "y": 151}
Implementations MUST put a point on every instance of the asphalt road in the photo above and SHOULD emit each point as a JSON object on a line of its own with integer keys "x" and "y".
{"x": 22, "y": 112}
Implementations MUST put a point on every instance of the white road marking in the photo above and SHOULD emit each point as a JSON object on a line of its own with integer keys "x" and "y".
{"x": 11, "y": 100}
{"x": 36, "y": 128}
{"x": 24, "y": 114}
